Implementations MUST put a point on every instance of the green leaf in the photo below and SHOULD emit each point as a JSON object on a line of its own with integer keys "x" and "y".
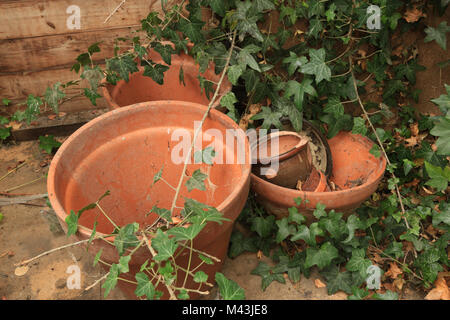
{"x": 438, "y": 34}
{"x": 92, "y": 95}
{"x": 1, "y": 217}
{"x": 94, "y": 231}
{"x": 263, "y": 225}
{"x": 337, "y": 280}
{"x": 33, "y": 108}
{"x": 144, "y": 286}
{"x": 189, "y": 233}
{"x": 123, "y": 264}
{"x": 317, "y": 66}
{"x": 48, "y": 143}
{"x": 319, "y": 211}
{"x": 359, "y": 126}
{"x": 228, "y": 101}
{"x": 53, "y": 96}
{"x": 4, "y": 133}
{"x": 246, "y": 59}
{"x": 126, "y": 237}
{"x": 395, "y": 249}
{"x": 205, "y": 156}
{"x": 97, "y": 257}
{"x": 334, "y": 107}
{"x": 93, "y": 75}
{"x": 284, "y": 229}
{"x": 442, "y": 130}
{"x": 265, "y": 272}
{"x": 353, "y": 223}
{"x": 442, "y": 217}
{"x": 358, "y": 294}
{"x": 375, "y": 150}
{"x": 6, "y": 101}
{"x": 164, "y": 245}
{"x": 156, "y": 72}
{"x": 196, "y": 181}
{"x": 294, "y": 62}
{"x": 205, "y": 259}
{"x": 162, "y": 212}
{"x": 200, "y": 277}
{"x": 229, "y": 290}
{"x": 439, "y": 177}
{"x": 122, "y": 65}
{"x": 165, "y": 51}
{"x": 72, "y": 223}
{"x": 388, "y": 295}
{"x": 358, "y": 262}
{"x": 295, "y": 216}
{"x": 234, "y": 72}
{"x": 158, "y": 176}
{"x": 298, "y": 90}
{"x": 444, "y": 100}
{"x": 408, "y": 70}
{"x": 321, "y": 257}
{"x": 270, "y": 118}
{"x": 192, "y": 29}
{"x": 111, "y": 279}
{"x": 246, "y": 18}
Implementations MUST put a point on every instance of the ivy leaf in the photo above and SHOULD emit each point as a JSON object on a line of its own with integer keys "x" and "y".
{"x": 229, "y": 290}
{"x": 93, "y": 75}
{"x": 48, "y": 143}
{"x": 196, "y": 181}
{"x": 265, "y": 272}
{"x": 337, "y": 280}
{"x": 359, "y": 126}
{"x": 126, "y": 237}
{"x": 53, "y": 96}
{"x": 334, "y": 107}
{"x": 144, "y": 286}
{"x": 408, "y": 70}
{"x": 262, "y": 5}
{"x": 263, "y": 225}
{"x": 123, "y": 66}
{"x": 162, "y": 212}
{"x": 218, "y": 6}
{"x": 317, "y": 66}
{"x": 33, "y": 108}
{"x": 358, "y": 262}
{"x": 156, "y": 72}
{"x": 439, "y": 177}
{"x": 321, "y": 257}
{"x": 165, "y": 51}
{"x": 358, "y": 294}
{"x": 246, "y": 18}
{"x": 92, "y": 95}
{"x": 240, "y": 244}
{"x": 228, "y": 101}
{"x": 427, "y": 262}
{"x": 72, "y": 223}
{"x": 295, "y": 216}
{"x": 388, "y": 295}
{"x": 192, "y": 29}
{"x": 438, "y": 34}
{"x": 189, "y": 233}
{"x": 200, "y": 277}
{"x": 164, "y": 245}
{"x": 158, "y": 176}
{"x": 442, "y": 217}
{"x": 4, "y": 133}
{"x": 442, "y": 130}
{"x": 395, "y": 249}
{"x": 123, "y": 264}
{"x": 234, "y": 72}
{"x": 111, "y": 279}
{"x": 270, "y": 118}
{"x": 298, "y": 90}
{"x": 294, "y": 62}
{"x": 443, "y": 102}
{"x": 200, "y": 213}
{"x": 284, "y": 229}
{"x": 205, "y": 156}
{"x": 246, "y": 59}
{"x": 97, "y": 257}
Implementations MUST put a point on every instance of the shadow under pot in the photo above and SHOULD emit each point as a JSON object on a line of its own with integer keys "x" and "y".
{"x": 282, "y": 158}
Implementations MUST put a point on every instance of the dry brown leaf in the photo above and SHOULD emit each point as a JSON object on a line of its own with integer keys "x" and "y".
{"x": 52, "y": 116}
{"x": 399, "y": 283}
{"x": 413, "y": 15}
{"x": 319, "y": 283}
{"x": 414, "y": 127}
{"x": 393, "y": 271}
{"x": 411, "y": 142}
{"x": 20, "y": 271}
{"x": 441, "y": 291}
{"x": 259, "y": 254}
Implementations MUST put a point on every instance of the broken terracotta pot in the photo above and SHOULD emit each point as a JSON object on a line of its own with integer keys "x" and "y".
{"x": 356, "y": 175}
{"x": 283, "y": 162}
{"x": 142, "y": 88}
{"x": 121, "y": 151}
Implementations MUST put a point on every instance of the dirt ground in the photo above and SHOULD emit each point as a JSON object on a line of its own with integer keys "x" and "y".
{"x": 28, "y": 230}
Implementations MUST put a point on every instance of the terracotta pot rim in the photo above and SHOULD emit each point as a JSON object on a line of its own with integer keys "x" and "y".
{"x": 85, "y": 231}
{"x": 297, "y": 193}
{"x": 295, "y": 149}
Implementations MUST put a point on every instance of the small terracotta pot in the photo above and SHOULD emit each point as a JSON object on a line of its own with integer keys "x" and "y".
{"x": 316, "y": 182}
{"x": 141, "y": 88}
{"x": 121, "y": 151}
{"x": 356, "y": 174}
{"x": 292, "y": 157}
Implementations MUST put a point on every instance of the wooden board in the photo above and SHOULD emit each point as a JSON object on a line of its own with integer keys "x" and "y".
{"x": 32, "y": 18}
{"x": 56, "y": 51}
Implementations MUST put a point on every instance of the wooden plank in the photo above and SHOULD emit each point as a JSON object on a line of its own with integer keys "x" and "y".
{"x": 56, "y": 51}
{"x": 61, "y": 126}
{"x": 20, "y": 85}
{"x": 31, "y": 18}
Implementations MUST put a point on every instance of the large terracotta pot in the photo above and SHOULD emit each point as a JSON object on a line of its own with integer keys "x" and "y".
{"x": 141, "y": 88}
{"x": 121, "y": 151}
{"x": 356, "y": 173}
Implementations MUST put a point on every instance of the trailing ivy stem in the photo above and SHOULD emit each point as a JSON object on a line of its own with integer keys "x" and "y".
{"x": 107, "y": 217}
{"x": 196, "y": 133}
{"x": 399, "y": 196}
{"x": 189, "y": 263}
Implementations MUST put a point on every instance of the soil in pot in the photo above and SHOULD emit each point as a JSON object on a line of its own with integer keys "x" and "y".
{"x": 121, "y": 151}
{"x": 141, "y": 88}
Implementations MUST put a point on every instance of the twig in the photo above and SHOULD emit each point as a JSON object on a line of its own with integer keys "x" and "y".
{"x": 12, "y": 170}
{"x": 114, "y": 11}
{"x": 96, "y": 282}
{"x": 9, "y": 201}
{"x": 23, "y": 185}
{"x": 399, "y": 196}
{"x": 183, "y": 173}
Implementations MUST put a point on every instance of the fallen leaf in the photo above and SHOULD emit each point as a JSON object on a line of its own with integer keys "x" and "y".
{"x": 61, "y": 114}
{"x": 413, "y": 15}
{"x": 441, "y": 291}
{"x": 20, "y": 271}
{"x": 259, "y": 254}
{"x": 393, "y": 271}
{"x": 52, "y": 116}
{"x": 411, "y": 142}
{"x": 414, "y": 127}
{"x": 399, "y": 283}
{"x": 319, "y": 283}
